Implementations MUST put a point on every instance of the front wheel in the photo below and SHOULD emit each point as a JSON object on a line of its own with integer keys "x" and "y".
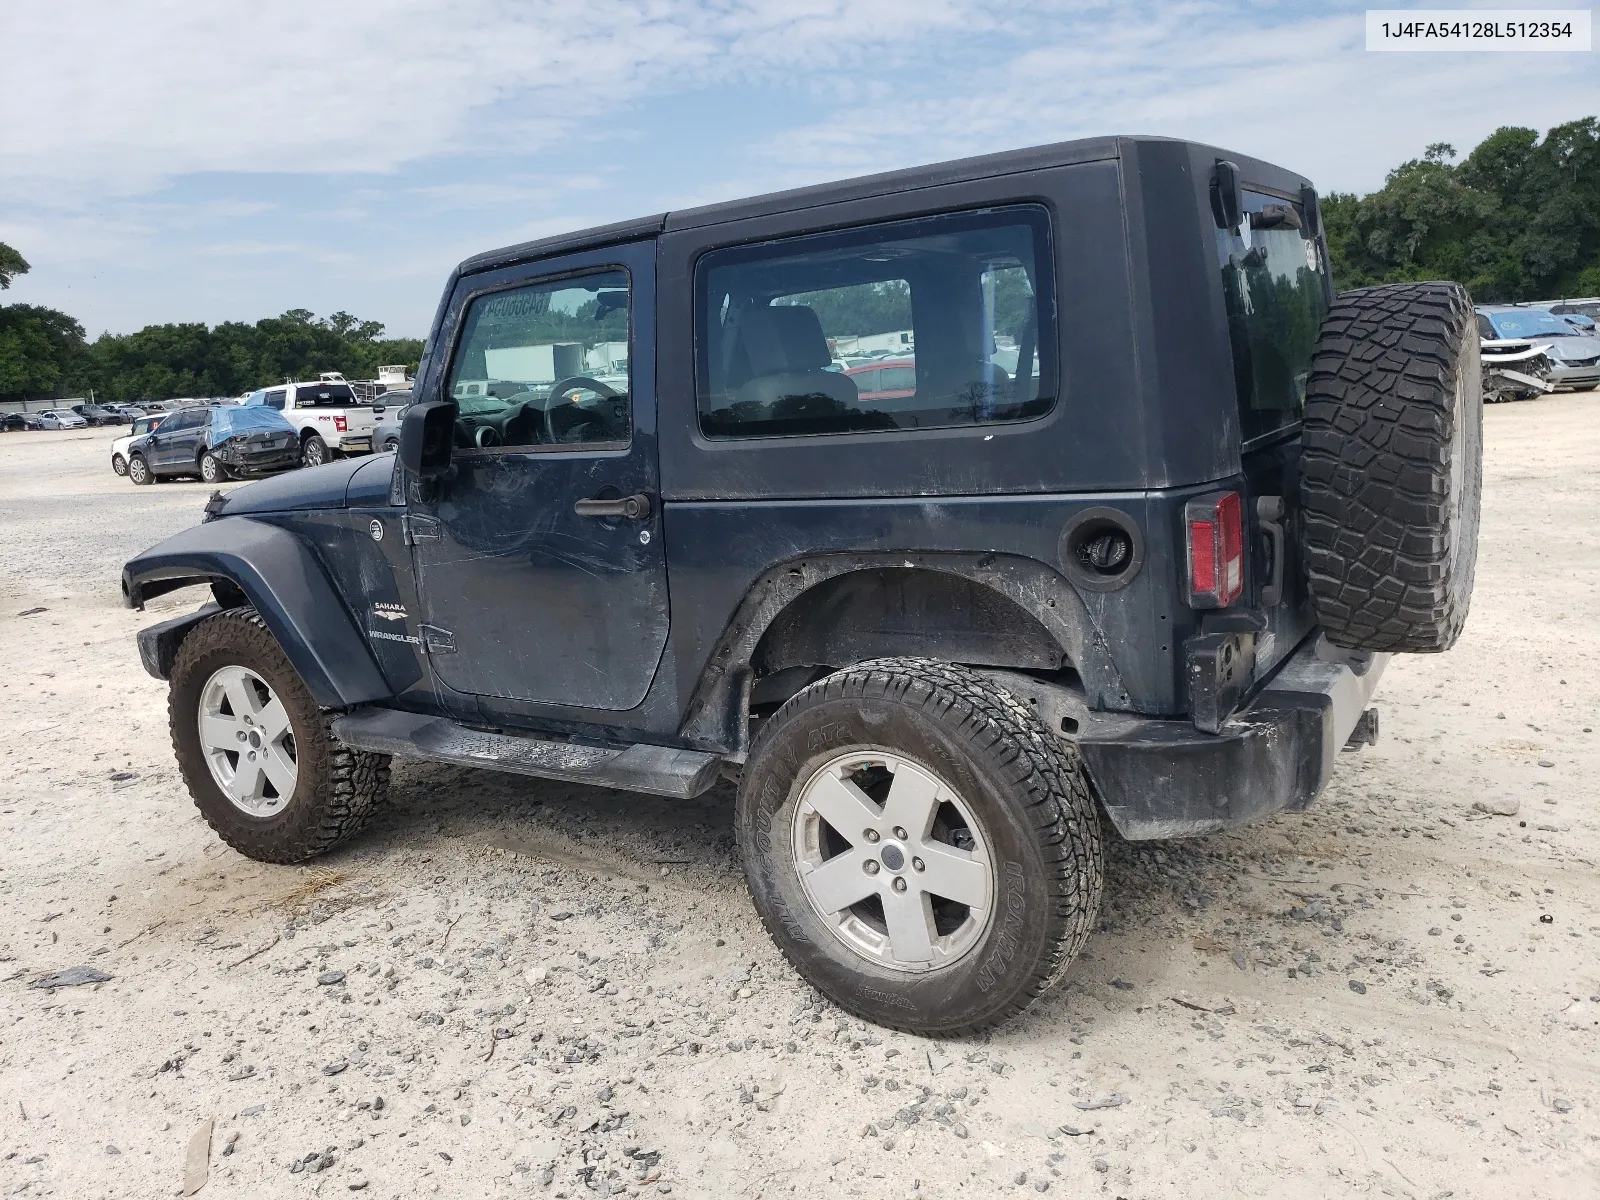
{"x": 315, "y": 452}
{"x": 211, "y": 468}
{"x": 139, "y": 470}
{"x": 258, "y": 755}
{"x": 119, "y": 464}
{"x": 921, "y": 849}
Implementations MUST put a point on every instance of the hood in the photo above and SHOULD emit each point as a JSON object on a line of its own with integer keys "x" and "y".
{"x": 1570, "y": 349}
{"x": 309, "y": 487}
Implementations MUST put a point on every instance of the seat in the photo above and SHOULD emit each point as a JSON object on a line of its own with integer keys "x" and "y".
{"x": 786, "y": 352}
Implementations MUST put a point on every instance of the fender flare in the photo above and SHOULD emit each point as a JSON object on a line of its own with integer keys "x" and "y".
{"x": 717, "y": 713}
{"x": 278, "y": 574}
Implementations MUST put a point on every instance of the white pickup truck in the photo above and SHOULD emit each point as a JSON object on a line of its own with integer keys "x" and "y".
{"x": 331, "y": 420}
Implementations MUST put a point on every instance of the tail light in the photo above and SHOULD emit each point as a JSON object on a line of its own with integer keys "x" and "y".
{"x": 341, "y": 424}
{"x": 1215, "y": 532}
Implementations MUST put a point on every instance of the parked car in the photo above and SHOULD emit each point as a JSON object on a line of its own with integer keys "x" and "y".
{"x": 885, "y": 379}
{"x": 330, "y": 420}
{"x": 1574, "y": 357}
{"x": 215, "y": 443}
{"x": 939, "y": 637}
{"x": 1588, "y": 306}
{"x": 12, "y": 422}
{"x": 140, "y": 426}
{"x": 95, "y": 414}
{"x": 390, "y": 409}
{"x": 61, "y": 418}
{"x": 33, "y": 420}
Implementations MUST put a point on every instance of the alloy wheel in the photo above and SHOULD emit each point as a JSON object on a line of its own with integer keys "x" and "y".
{"x": 893, "y": 861}
{"x": 248, "y": 741}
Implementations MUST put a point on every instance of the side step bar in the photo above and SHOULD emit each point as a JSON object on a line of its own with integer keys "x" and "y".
{"x": 658, "y": 770}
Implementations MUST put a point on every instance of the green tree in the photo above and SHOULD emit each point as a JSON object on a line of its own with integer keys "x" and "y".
{"x": 12, "y": 264}
{"x": 1517, "y": 219}
{"x": 41, "y": 350}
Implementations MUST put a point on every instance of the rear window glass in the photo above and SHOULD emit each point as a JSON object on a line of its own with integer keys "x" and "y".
{"x": 1273, "y": 281}
{"x": 324, "y": 395}
{"x": 905, "y": 325}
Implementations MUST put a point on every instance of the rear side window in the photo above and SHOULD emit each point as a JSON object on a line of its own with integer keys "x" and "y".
{"x": 274, "y": 399}
{"x": 906, "y": 325}
{"x": 1273, "y": 278}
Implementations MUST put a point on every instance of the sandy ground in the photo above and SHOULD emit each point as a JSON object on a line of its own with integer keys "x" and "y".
{"x": 562, "y": 992}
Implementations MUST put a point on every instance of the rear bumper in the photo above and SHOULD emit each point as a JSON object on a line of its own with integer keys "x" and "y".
{"x": 355, "y": 443}
{"x": 1166, "y": 779}
{"x": 259, "y": 464}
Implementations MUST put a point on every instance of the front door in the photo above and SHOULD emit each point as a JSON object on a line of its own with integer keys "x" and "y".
{"x": 540, "y": 562}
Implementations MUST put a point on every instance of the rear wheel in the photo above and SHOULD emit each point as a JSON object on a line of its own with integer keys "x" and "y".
{"x": 1392, "y": 467}
{"x": 119, "y": 464}
{"x": 920, "y": 848}
{"x": 258, "y": 755}
{"x": 314, "y": 452}
{"x": 139, "y": 470}
{"x": 211, "y": 468}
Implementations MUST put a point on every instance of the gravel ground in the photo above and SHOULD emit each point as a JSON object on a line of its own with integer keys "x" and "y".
{"x": 507, "y": 987}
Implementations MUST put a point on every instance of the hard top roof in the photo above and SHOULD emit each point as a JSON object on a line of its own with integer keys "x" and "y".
{"x": 960, "y": 170}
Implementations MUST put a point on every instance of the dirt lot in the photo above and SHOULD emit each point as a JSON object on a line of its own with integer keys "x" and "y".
{"x": 562, "y": 992}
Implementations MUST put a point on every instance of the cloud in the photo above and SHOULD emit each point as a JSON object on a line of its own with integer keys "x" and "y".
{"x": 162, "y": 159}
{"x": 122, "y": 95}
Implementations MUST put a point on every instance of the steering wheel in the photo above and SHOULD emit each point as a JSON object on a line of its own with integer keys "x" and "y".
{"x": 559, "y": 429}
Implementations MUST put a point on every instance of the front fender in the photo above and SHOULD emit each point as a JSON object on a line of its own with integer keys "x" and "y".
{"x": 281, "y": 577}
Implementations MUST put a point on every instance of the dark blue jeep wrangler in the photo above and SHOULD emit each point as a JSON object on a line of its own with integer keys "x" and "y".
{"x": 947, "y": 510}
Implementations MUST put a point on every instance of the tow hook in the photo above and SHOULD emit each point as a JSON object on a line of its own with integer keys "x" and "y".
{"x": 1366, "y": 731}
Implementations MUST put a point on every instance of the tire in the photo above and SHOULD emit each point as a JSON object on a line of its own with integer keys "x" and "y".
{"x": 1027, "y": 810}
{"x": 1392, "y": 467}
{"x": 211, "y": 469}
{"x": 139, "y": 471}
{"x": 335, "y": 788}
{"x": 314, "y": 452}
{"x": 119, "y": 464}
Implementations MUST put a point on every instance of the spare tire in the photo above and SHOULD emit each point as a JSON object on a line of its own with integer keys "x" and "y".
{"x": 1392, "y": 467}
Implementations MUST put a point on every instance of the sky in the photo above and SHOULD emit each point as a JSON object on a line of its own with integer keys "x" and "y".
{"x": 165, "y": 160}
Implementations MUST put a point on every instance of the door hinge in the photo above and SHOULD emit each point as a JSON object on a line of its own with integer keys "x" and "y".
{"x": 438, "y": 641}
{"x": 418, "y": 528}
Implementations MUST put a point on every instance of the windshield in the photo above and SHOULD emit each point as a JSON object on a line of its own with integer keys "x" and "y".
{"x": 1530, "y": 322}
{"x": 230, "y": 422}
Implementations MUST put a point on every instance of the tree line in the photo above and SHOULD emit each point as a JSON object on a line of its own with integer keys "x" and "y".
{"x": 45, "y": 353}
{"x": 1517, "y": 219}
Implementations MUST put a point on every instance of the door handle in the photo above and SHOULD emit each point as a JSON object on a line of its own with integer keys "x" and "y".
{"x": 634, "y": 508}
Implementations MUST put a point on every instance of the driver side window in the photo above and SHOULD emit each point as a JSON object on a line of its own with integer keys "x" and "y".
{"x": 545, "y": 366}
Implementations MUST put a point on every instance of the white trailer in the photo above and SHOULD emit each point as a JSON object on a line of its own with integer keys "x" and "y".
{"x": 540, "y": 363}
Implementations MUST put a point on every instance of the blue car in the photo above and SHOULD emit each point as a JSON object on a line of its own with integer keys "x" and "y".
{"x": 216, "y": 442}
{"x": 1574, "y": 355}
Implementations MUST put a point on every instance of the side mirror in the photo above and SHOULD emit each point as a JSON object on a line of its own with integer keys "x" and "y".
{"x": 427, "y": 437}
{"x": 1227, "y": 195}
